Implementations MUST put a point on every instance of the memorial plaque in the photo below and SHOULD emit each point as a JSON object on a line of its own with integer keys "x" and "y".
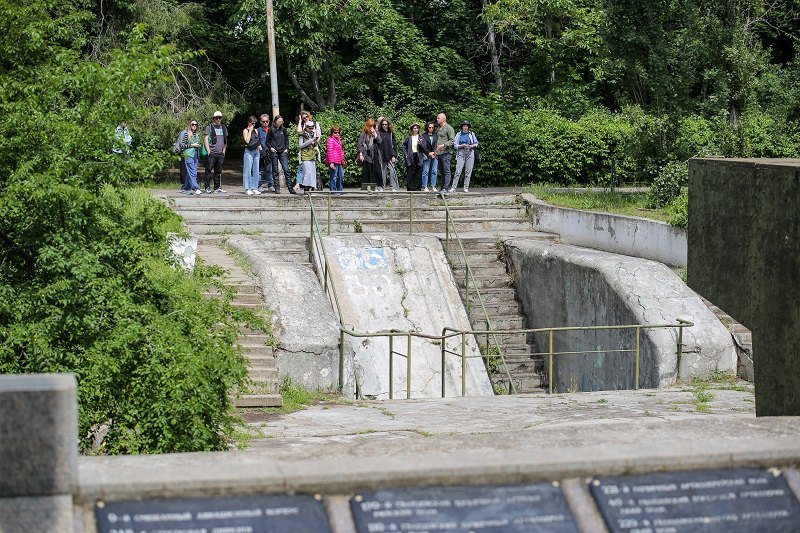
{"x": 239, "y": 514}
{"x": 706, "y": 500}
{"x": 539, "y": 507}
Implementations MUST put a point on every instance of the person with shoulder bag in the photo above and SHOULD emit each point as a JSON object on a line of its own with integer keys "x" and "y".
{"x": 465, "y": 144}
{"x": 189, "y": 145}
{"x": 216, "y": 144}
{"x": 252, "y": 147}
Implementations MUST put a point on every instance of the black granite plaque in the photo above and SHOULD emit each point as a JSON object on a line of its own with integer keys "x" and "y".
{"x": 539, "y": 507}
{"x": 239, "y": 514}
{"x": 706, "y": 500}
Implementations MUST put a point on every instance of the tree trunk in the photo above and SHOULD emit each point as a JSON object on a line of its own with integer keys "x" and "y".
{"x": 494, "y": 53}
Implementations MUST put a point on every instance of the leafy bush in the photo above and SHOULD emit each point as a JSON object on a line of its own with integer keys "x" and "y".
{"x": 679, "y": 211}
{"x": 667, "y": 185}
{"x": 88, "y": 283}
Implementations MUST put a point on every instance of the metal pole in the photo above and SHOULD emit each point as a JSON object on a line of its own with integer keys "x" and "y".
{"x": 273, "y": 62}
{"x": 680, "y": 346}
{"x": 444, "y": 369}
{"x": 446, "y": 230}
{"x": 329, "y": 213}
{"x": 463, "y": 364}
{"x": 391, "y": 367}
{"x": 341, "y": 360}
{"x": 408, "y": 368}
{"x": 638, "y": 331}
{"x": 550, "y": 371}
{"x": 311, "y": 237}
{"x": 410, "y": 214}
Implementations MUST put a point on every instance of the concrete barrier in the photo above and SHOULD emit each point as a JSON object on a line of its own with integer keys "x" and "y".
{"x": 402, "y": 283}
{"x": 634, "y": 236}
{"x": 562, "y": 285}
{"x": 38, "y": 452}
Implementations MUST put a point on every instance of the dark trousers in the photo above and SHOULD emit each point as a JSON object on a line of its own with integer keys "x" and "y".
{"x": 444, "y": 168}
{"x": 371, "y": 173}
{"x": 214, "y": 166}
{"x": 265, "y": 167}
{"x": 283, "y": 159}
{"x": 414, "y": 178}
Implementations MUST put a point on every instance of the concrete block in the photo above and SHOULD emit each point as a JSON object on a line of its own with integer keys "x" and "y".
{"x": 38, "y": 435}
{"x": 36, "y": 513}
{"x": 303, "y": 320}
{"x": 744, "y": 255}
{"x": 634, "y": 236}
{"x": 402, "y": 283}
{"x": 561, "y": 285}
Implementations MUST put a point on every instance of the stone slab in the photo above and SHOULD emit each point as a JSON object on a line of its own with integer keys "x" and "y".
{"x": 744, "y": 255}
{"x": 561, "y": 285}
{"x": 402, "y": 283}
{"x": 303, "y": 321}
{"x": 38, "y": 434}
{"x": 36, "y": 513}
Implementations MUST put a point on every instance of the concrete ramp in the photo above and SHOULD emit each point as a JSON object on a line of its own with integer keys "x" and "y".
{"x": 402, "y": 283}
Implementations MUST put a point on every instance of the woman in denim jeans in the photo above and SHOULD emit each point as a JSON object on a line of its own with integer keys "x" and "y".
{"x": 334, "y": 157}
{"x": 430, "y": 166}
{"x": 252, "y": 143}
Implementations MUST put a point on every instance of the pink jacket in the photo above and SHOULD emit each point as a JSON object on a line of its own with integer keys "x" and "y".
{"x": 334, "y": 153}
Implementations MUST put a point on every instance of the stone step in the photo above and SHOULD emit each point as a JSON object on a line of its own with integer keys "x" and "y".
{"x": 262, "y": 375}
{"x": 264, "y": 360}
{"x": 248, "y": 305}
{"x": 493, "y": 309}
{"x": 349, "y": 199}
{"x": 259, "y": 214}
{"x": 241, "y": 297}
{"x": 494, "y": 268}
{"x": 368, "y": 226}
{"x": 258, "y": 400}
{"x": 491, "y": 294}
{"x": 493, "y": 282}
{"x": 500, "y": 323}
{"x": 474, "y": 257}
{"x": 254, "y": 340}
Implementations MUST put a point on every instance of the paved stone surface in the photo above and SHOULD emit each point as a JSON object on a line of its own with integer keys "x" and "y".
{"x": 528, "y": 417}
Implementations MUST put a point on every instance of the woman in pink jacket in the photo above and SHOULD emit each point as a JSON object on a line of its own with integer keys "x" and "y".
{"x": 334, "y": 157}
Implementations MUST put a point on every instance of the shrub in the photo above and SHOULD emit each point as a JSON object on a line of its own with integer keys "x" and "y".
{"x": 678, "y": 210}
{"x": 667, "y": 185}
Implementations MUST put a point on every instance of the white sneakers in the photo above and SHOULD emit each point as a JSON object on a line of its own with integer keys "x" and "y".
{"x": 425, "y": 190}
{"x": 251, "y": 192}
{"x": 466, "y": 189}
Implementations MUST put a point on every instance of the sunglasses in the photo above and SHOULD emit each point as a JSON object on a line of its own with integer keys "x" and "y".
{"x": 193, "y": 124}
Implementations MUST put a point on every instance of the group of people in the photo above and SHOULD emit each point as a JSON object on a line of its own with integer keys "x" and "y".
{"x": 427, "y": 154}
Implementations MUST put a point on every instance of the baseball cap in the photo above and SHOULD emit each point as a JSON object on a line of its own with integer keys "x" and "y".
{"x": 217, "y": 114}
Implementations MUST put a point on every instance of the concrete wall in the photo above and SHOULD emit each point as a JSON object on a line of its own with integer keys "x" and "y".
{"x": 744, "y": 255}
{"x": 562, "y": 285}
{"x": 402, "y": 283}
{"x": 634, "y": 236}
{"x": 303, "y": 321}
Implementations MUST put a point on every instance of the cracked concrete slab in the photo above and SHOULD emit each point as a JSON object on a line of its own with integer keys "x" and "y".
{"x": 303, "y": 322}
{"x": 561, "y": 285}
{"x": 402, "y": 283}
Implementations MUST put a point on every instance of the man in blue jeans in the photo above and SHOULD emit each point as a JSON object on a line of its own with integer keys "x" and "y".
{"x": 445, "y": 135}
{"x": 266, "y": 158}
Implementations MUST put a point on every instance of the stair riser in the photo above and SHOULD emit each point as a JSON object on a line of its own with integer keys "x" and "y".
{"x": 493, "y": 310}
{"x": 348, "y": 200}
{"x": 348, "y": 227}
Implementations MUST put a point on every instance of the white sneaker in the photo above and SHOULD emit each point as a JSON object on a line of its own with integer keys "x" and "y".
{"x": 379, "y": 189}
{"x": 434, "y": 189}
{"x": 425, "y": 189}
{"x": 256, "y": 191}
{"x": 249, "y": 192}
{"x": 452, "y": 189}
{"x": 197, "y": 191}
{"x": 395, "y": 190}
{"x": 466, "y": 189}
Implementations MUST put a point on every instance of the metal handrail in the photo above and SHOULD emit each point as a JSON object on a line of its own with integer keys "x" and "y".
{"x": 317, "y": 245}
{"x": 467, "y": 276}
{"x": 451, "y": 332}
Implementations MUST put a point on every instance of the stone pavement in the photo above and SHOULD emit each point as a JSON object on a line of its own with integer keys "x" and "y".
{"x": 501, "y": 419}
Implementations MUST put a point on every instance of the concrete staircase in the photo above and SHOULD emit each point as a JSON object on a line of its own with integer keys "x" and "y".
{"x": 743, "y": 339}
{"x": 280, "y": 223}
{"x": 496, "y": 286}
{"x": 263, "y": 372}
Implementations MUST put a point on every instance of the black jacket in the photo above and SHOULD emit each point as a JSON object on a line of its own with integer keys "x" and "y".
{"x": 411, "y": 158}
{"x": 426, "y": 146}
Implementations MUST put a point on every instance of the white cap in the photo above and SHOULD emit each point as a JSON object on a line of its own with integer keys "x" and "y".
{"x": 217, "y": 114}
{"x": 310, "y": 124}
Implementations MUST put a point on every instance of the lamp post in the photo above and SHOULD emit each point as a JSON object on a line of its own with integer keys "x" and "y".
{"x": 273, "y": 63}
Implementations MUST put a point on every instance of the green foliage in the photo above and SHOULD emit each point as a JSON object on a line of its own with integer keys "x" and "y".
{"x": 88, "y": 283}
{"x": 667, "y": 185}
{"x": 678, "y": 211}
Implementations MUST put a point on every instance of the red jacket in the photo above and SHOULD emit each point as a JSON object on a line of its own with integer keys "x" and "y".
{"x": 334, "y": 153}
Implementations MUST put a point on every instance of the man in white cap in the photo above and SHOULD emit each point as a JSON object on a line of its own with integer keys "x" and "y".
{"x": 216, "y": 143}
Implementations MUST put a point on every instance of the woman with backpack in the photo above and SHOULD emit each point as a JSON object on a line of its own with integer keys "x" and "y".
{"x": 465, "y": 144}
{"x": 252, "y": 147}
{"x": 189, "y": 145}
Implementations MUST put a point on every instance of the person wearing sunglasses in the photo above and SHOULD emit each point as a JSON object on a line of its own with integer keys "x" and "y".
{"x": 388, "y": 150}
{"x": 190, "y": 142}
{"x": 265, "y": 165}
{"x": 412, "y": 153}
